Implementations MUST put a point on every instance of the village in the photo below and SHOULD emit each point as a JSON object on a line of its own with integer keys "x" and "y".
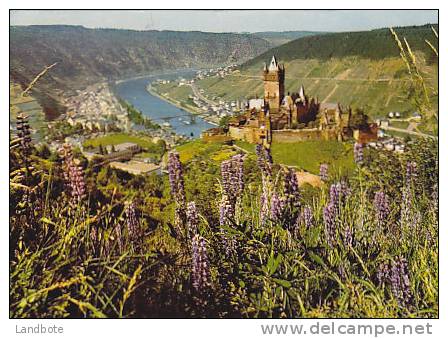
{"x": 96, "y": 113}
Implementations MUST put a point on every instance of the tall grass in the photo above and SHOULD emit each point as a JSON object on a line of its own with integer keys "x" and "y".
{"x": 97, "y": 256}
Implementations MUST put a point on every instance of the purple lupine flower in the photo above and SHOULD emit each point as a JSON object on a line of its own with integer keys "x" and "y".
{"x": 330, "y": 213}
{"x": 383, "y": 273}
{"x": 73, "y": 174}
{"x": 268, "y": 156}
{"x": 358, "y": 153}
{"x": 335, "y": 194}
{"x": 226, "y": 218}
{"x": 131, "y": 221}
{"x": 339, "y": 192}
{"x": 200, "y": 272}
{"x": 291, "y": 189}
{"x": 192, "y": 219}
{"x": 399, "y": 281}
{"x": 226, "y": 211}
{"x": 239, "y": 173}
{"x": 264, "y": 205}
{"x": 307, "y": 216}
{"x": 405, "y": 212}
{"x": 232, "y": 177}
{"x": 24, "y": 135}
{"x": 411, "y": 172}
{"x": 348, "y": 235}
{"x": 226, "y": 175}
{"x": 323, "y": 172}
{"x": 176, "y": 178}
{"x": 381, "y": 204}
{"x": 277, "y": 207}
{"x": 415, "y": 220}
{"x": 264, "y": 160}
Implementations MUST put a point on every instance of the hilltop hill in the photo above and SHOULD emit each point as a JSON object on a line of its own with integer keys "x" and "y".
{"x": 375, "y": 44}
{"x": 90, "y": 55}
{"x": 361, "y": 69}
{"x": 280, "y": 38}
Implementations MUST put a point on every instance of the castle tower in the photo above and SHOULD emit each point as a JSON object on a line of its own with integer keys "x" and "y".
{"x": 274, "y": 85}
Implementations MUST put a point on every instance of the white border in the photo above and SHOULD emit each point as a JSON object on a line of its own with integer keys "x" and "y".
{"x": 206, "y": 328}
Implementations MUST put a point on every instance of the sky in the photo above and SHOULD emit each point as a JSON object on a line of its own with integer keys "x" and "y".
{"x": 228, "y": 20}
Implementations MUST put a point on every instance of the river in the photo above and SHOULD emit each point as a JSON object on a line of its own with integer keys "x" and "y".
{"x": 134, "y": 91}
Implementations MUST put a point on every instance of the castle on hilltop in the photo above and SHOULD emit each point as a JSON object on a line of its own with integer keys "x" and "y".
{"x": 290, "y": 117}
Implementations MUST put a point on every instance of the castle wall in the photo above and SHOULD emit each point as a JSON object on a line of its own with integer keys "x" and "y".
{"x": 251, "y": 135}
{"x": 295, "y": 135}
{"x": 220, "y": 138}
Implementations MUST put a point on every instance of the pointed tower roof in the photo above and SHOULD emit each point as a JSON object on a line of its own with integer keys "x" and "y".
{"x": 274, "y": 64}
{"x": 302, "y": 93}
{"x": 265, "y": 68}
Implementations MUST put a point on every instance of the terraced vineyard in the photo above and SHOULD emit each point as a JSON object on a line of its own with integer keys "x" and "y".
{"x": 377, "y": 86}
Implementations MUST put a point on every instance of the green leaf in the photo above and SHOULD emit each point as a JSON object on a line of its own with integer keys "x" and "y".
{"x": 282, "y": 282}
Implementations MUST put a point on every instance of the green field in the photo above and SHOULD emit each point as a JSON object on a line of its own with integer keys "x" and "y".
{"x": 117, "y": 138}
{"x": 215, "y": 151}
{"x": 308, "y": 155}
{"x": 173, "y": 90}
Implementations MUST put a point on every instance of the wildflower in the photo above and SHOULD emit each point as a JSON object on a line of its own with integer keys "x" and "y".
{"x": 264, "y": 160}
{"x": 232, "y": 177}
{"x": 277, "y": 207}
{"x": 226, "y": 175}
{"x": 383, "y": 273}
{"x": 291, "y": 189}
{"x": 405, "y": 212}
{"x": 264, "y": 205}
{"x": 307, "y": 217}
{"x": 192, "y": 219}
{"x": 348, "y": 235}
{"x": 176, "y": 178}
{"x": 381, "y": 204}
{"x": 73, "y": 174}
{"x": 200, "y": 276}
{"x": 411, "y": 172}
{"x": 399, "y": 281}
{"x": 339, "y": 192}
{"x": 358, "y": 153}
{"x": 132, "y": 225}
{"x": 24, "y": 134}
{"x": 226, "y": 217}
{"x": 239, "y": 173}
{"x": 323, "y": 172}
{"x": 330, "y": 213}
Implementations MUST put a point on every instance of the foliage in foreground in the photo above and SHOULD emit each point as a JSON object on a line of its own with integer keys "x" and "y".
{"x": 241, "y": 240}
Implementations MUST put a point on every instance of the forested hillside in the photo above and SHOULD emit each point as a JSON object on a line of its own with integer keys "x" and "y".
{"x": 375, "y": 44}
{"x": 88, "y": 55}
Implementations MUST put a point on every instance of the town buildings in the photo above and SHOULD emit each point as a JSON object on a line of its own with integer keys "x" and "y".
{"x": 290, "y": 117}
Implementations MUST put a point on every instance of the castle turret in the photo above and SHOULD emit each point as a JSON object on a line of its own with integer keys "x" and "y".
{"x": 274, "y": 85}
{"x": 302, "y": 93}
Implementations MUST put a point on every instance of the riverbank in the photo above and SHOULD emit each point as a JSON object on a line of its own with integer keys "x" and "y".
{"x": 162, "y": 73}
{"x": 188, "y": 108}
